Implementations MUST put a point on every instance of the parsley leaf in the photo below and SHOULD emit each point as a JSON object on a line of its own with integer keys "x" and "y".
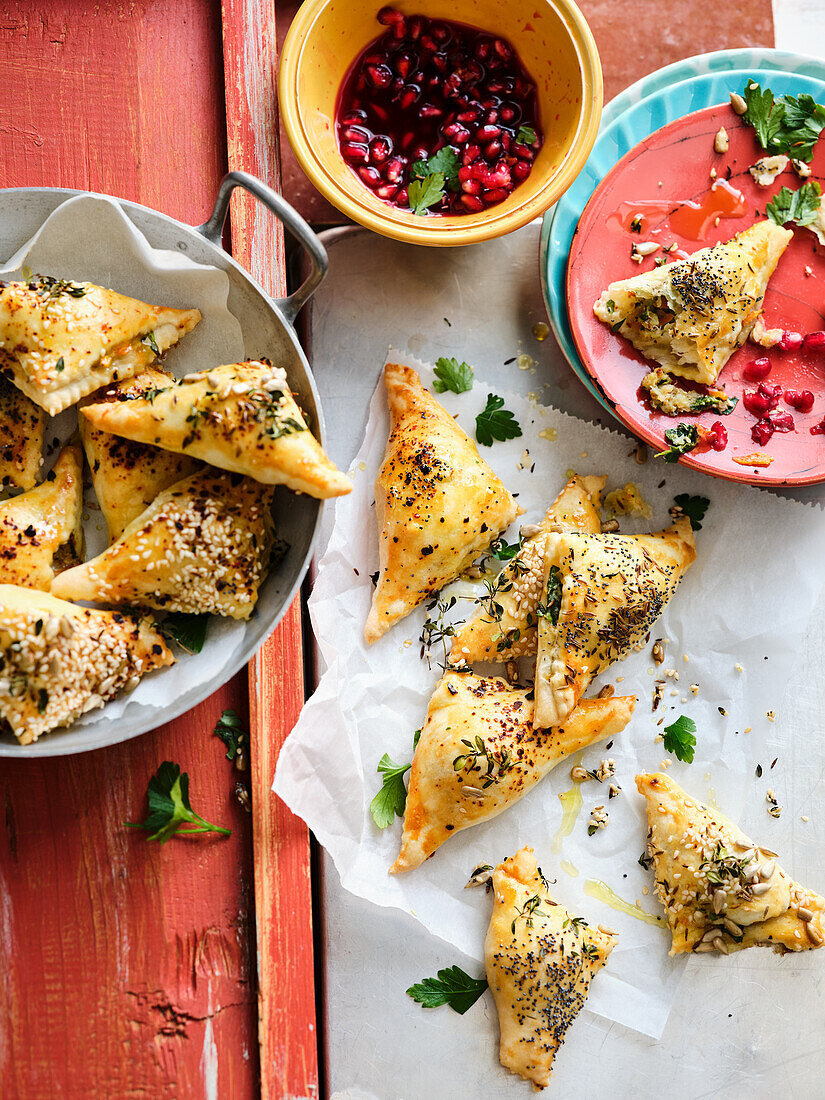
{"x": 189, "y": 631}
{"x": 169, "y": 807}
{"x": 785, "y": 123}
{"x": 680, "y": 440}
{"x": 679, "y": 739}
{"x": 503, "y": 550}
{"x": 426, "y": 192}
{"x": 392, "y": 798}
{"x": 452, "y": 987}
{"x": 445, "y": 161}
{"x": 694, "y": 508}
{"x": 763, "y": 114}
{"x": 450, "y": 375}
{"x": 800, "y": 206}
{"x": 496, "y": 422}
{"x": 231, "y": 732}
{"x": 526, "y": 135}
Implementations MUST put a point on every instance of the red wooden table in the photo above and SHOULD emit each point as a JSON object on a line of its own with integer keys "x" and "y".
{"x": 131, "y": 970}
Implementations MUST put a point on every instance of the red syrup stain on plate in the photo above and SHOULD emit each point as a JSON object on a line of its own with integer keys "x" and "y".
{"x": 687, "y": 217}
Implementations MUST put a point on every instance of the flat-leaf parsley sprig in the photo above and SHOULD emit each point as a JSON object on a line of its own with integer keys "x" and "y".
{"x": 452, "y": 987}
{"x": 452, "y": 375}
{"x": 784, "y": 123}
{"x": 390, "y": 801}
{"x": 170, "y": 809}
{"x": 496, "y": 422}
{"x": 679, "y": 739}
{"x": 680, "y": 440}
{"x": 800, "y": 207}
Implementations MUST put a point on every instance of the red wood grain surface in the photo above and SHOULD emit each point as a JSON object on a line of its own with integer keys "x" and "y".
{"x": 283, "y": 887}
{"x": 127, "y": 969}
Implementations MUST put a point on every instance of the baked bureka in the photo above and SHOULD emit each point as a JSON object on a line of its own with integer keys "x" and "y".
{"x": 691, "y": 315}
{"x": 602, "y": 594}
{"x": 60, "y": 340}
{"x": 41, "y": 531}
{"x": 240, "y": 417}
{"x": 540, "y": 961}
{"x": 22, "y": 430}
{"x": 202, "y": 546}
{"x": 504, "y": 626}
{"x": 59, "y": 661}
{"x": 438, "y": 503}
{"x": 478, "y": 753}
{"x": 128, "y": 476}
{"x": 720, "y": 891}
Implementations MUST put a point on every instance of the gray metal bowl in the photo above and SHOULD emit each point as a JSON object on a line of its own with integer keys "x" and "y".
{"x": 267, "y": 330}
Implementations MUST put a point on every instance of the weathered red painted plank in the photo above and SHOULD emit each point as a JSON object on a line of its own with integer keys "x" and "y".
{"x": 127, "y": 969}
{"x": 283, "y": 889}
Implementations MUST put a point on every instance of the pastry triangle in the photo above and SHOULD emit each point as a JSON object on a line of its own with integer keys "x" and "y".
{"x": 44, "y": 524}
{"x": 478, "y": 753}
{"x": 540, "y": 961}
{"x": 438, "y": 502}
{"x": 22, "y": 428}
{"x": 240, "y": 417}
{"x": 720, "y": 891}
{"x": 60, "y": 340}
{"x": 504, "y": 626}
{"x": 691, "y": 315}
{"x": 202, "y": 546}
{"x": 128, "y": 476}
{"x": 58, "y": 661}
{"x": 603, "y": 593}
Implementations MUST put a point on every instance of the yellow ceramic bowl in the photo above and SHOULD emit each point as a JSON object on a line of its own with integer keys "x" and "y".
{"x": 556, "y": 47}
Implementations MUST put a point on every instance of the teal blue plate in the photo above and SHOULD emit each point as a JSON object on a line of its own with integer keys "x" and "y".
{"x": 634, "y": 114}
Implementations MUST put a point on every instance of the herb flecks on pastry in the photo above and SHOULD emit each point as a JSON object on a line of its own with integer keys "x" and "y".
{"x": 691, "y": 315}
{"x": 60, "y": 340}
{"x": 41, "y": 531}
{"x": 478, "y": 753}
{"x": 438, "y": 503}
{"x": 202, "y": 546}
{"x": 540, "y": 961}
{"x": 59, "y": 661}
{"x": 240, "y": 417}
{"x": 602, "y": 594}
{"x": 128, "y": 476}
{"x": 22, "y": 429}
{"x": 721, "y": 892}
{"x": 504, "y": 627}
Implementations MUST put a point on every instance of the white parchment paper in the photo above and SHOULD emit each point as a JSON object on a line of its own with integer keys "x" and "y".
{"x": 743, "y": 605}
{"x": 89, "y": 238}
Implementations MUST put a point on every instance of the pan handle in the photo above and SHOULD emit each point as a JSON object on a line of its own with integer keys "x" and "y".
{"x": 292, "y": 220}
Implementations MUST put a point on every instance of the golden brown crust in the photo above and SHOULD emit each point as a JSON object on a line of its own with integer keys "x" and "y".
{"x": 439, "y": 505}
{"x": 22, "y": 429}
{"x": 720, "y": 891}
{"x": 512, "y": 632}
{"x": 202, "y": 546}
{"x": 59, "y": 661}
{"x": 540, "y": 961}
{"x": 613, "y": 588}
{"x": 61, "y": 340}
{"x": 240, "y": 417}
{"x": 453, "y": 785}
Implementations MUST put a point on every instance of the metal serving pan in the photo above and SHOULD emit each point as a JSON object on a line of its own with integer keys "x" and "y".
{"x": 267, "y": 326}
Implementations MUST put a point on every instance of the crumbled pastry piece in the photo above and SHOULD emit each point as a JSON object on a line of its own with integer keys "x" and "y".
{"x": 767, "y": 169}
{"x": 128, "y": 476}
{"x": 60, "y": 340}
{"x": 202, "y": 546}
{"x": 721, "y": 892}
{"x": 756, "y": 458}
{"x": 764, "y": 336}
{"x": 41, "y": 531}
{"x": 499, "y": 635}
{"x": 240, "y": 417}
{"x": 802, "y": 169}
{"x": 721, "y": 143}
{"x": 478, "y": 753}
{"x": 540, "y": 961}
{"x": 603, "y": 595}
{"x": 59, "y": 661}
{"x": 22, "y": 429}
{"x": 627, "y": 502}
{"x": 439, "y": 505}
{"x": 672, "y": 400}
{"x": 689, "y": 316}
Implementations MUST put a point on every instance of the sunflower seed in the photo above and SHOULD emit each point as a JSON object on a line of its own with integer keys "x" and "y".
{"x": 733, "y": 928}
{"x": 804, "y": 914}
{"x": 737, "y": 103}
{"x": 704, "y": 947}
{"x": 760, "y": 888}
{"x": 719, "y": 899}
{"x": 720, "y": 945}
{"x": 814, "y": 935}
{"x": 768, "y": 869}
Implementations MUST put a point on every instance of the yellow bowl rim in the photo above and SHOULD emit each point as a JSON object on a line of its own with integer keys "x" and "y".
{"x": 472, "y": 228}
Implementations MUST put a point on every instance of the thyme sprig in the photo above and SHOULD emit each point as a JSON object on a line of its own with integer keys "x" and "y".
{"x": 436, "y": 629}
{"x": 477, "y": 751}
{"x": 529, "y": 910}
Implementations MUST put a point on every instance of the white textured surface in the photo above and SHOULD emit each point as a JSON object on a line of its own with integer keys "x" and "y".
{"x": 752, "y": 1022}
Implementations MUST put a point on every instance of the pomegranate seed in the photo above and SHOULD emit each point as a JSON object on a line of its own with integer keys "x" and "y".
{"x": 503, "y": 49}
{"x": 493, "y": 150}
{"x": 380, "y": 149}
{"x": 510, "y": 113}
{"x": 523, "y": 152}
{"x": 720, "y": 436}
{"x": 408, "y": 139}
{"x": 802, "y": 400}
{"x": 472, "y": 203}
{"x": 370, "y": 176}
{"x": 357, "y": 134}
{"x": 762, "y": 431}
{"x": 393, "y": 169}
{"x": 453, "y": 129}
{"x": 772, "y": 393}
{"x": 440, "y": 63}
{"x": 487, "y": 133}
{"x": 468, "y": 116}
{"x": 790, "y": 341}
{"x": 755, "y": 402}
{"x": 757, "y": 369}
{"x": 471, "y": 153}
{"x": 353, "y": 152}
{"x": 408, "y": 95}
{"x": 428, "y": 43}
{"x": 403, "y": 64}
{"x": 388, "y": 16}
{"x": 499, "y": 194}
{"x": 402, "y": 198}
{"x": 428, "y": 111}
{"x": 483, "y": 50}
{"x": 386, "y": 191}
{"x": 814, "y": 341}
{"x": 379, "y": 76}
{"x": 353, "y": 117}
{"x": 521, "y": 170}
{"x": 819, "y": 429}
{"x": 492, "y": 118}
{"x": 441, "y": 33}
{"x": 416, "y": 26}
{"x": 471, "y": 187}
{"x": 382, "y": 112}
